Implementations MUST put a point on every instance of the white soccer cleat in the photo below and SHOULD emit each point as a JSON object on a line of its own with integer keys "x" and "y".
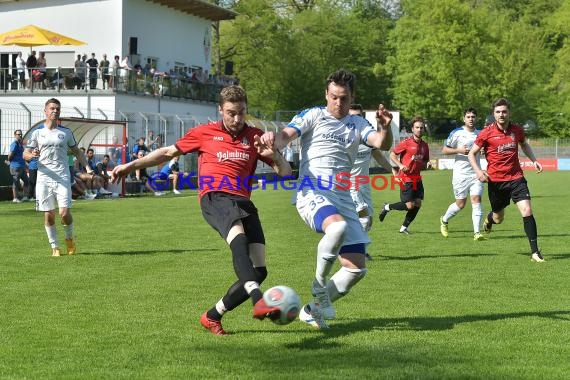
{"x": 176, "y": 192}
{"x": 478, "y": 236}
{"x": 313, "y": 318}
{"x": 537, "y": 257}
{"x": 323, "y": 301}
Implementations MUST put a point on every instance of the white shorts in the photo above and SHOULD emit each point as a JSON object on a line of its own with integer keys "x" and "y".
{"x": 464, "y": 186}
{"x": 314, "y": 206}
{"x": 50, "y": 193}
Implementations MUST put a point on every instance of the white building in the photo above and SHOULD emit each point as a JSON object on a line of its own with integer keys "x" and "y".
{"x": 170, "y": 35}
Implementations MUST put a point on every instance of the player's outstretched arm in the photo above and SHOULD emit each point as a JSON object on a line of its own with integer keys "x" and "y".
{"x": 154, "y": 158}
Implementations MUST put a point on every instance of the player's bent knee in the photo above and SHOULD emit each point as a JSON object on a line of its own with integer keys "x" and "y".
{"x": 336, "y": 228}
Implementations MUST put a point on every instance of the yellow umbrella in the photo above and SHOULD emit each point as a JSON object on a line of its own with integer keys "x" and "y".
{"x": 32, "y": 35}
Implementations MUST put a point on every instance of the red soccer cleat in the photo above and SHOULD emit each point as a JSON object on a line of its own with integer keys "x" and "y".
{"x": 261, "y": 310}
{"x": 213, "y": 325}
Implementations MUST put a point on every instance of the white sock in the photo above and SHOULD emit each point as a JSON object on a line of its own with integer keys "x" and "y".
{"x": 52, "y": 236}
{"x": 220, "y": 307}
{"x": 476, "y": 216}
{"x": 343, "y": 280}
{"x": 327, "y": 250}
{"x": 452, "y": 210}
{"x": 249, "y": 286}
{"x": 68, "y": 231}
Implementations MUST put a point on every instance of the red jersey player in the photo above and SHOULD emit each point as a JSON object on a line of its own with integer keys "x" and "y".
{"x": 227, "y": 156}
{"x": 500, "y": 141}
{"x": 411, "y": 156}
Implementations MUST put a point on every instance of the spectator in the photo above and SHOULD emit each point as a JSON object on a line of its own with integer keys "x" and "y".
{"x": 32, "y": 178}
{"x": 125, "y": 69}
{"x": 79, "y": 77}
{"x": 31, "y": 64}
{"x": 78, "y": 187}
{"x": 141, "y": 176}
{"x": 172, "y": 171}
{"x": 93, "y": 182}
{"x": 42, "y": 71}
{"x": 98, "y": 179}
{"x": 115, "y": 66}
{"x": 92, "y": 63}
{"x": 104, "y": 68}
{"x": 115, "y": 152}
{"x": 18, "y": 167}
{"x": 289, "y": 154}
{"x": 101, "y": 169}
{"x": 21, "y": 66}
{"x": 152, "y": 141}
{"x": 140, "y": 146}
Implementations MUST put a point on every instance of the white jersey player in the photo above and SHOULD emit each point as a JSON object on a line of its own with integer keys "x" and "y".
{"x": 329, "y": 143}
{"x": 465, "y": 180}
{"x": 50, "y": 144}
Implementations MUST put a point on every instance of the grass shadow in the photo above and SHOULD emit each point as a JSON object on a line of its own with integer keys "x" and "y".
{"x": 149, "y": 252}
{"x": 415, "y": 324}
{"x": 421, "y": 257}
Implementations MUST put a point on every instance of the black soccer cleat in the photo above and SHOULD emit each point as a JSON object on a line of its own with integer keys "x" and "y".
{"x": 383, "y": 213}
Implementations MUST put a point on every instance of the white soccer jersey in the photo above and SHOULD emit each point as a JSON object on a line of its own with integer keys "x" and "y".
{"x": 53, "y": 145}
{"x": 328, "y": 145}
{"x": 460, "y": 137}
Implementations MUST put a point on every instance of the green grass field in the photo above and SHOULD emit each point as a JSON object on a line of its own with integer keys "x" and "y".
{"x": 127, "y": 306}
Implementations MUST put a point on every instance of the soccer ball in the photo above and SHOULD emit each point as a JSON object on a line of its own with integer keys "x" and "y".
{"x": 288, "y": 302}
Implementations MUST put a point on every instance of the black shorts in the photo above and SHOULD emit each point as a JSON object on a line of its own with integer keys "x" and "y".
{"x": 222, "y": 210}
{"x": 412, "y": 191}
{"x": 501, "y": 193}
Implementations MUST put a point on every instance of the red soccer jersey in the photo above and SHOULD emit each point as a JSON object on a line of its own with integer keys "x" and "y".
{"x": 225, "y": 163}
{"x": 502, "y": 151}
{"x": 414, "y": 155}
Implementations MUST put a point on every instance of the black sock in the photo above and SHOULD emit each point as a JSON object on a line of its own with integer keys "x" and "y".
{"x": 243, "y": 266}
{"x": 490, "y": 218}
{"x": 213, "y": 314}
{"x": 410, "y": 216}
{"x": 531, "y": 232}
{"x": 400, "y": 206}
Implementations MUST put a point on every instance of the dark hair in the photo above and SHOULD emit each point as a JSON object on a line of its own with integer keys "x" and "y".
{"x": 232, "y": 94}
{"x": 501, "y": 102}
{"x": 90, "y": 150}
{"x": 356, "y": 107}
{"x": 416, "y": 119}
{"x": 53, "y": 100}
{"x": 470, "y": 110}
{"x": 342, "y": 77}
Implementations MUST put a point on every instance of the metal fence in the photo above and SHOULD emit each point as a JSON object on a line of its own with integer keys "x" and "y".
{"x": 168, "y": 128}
